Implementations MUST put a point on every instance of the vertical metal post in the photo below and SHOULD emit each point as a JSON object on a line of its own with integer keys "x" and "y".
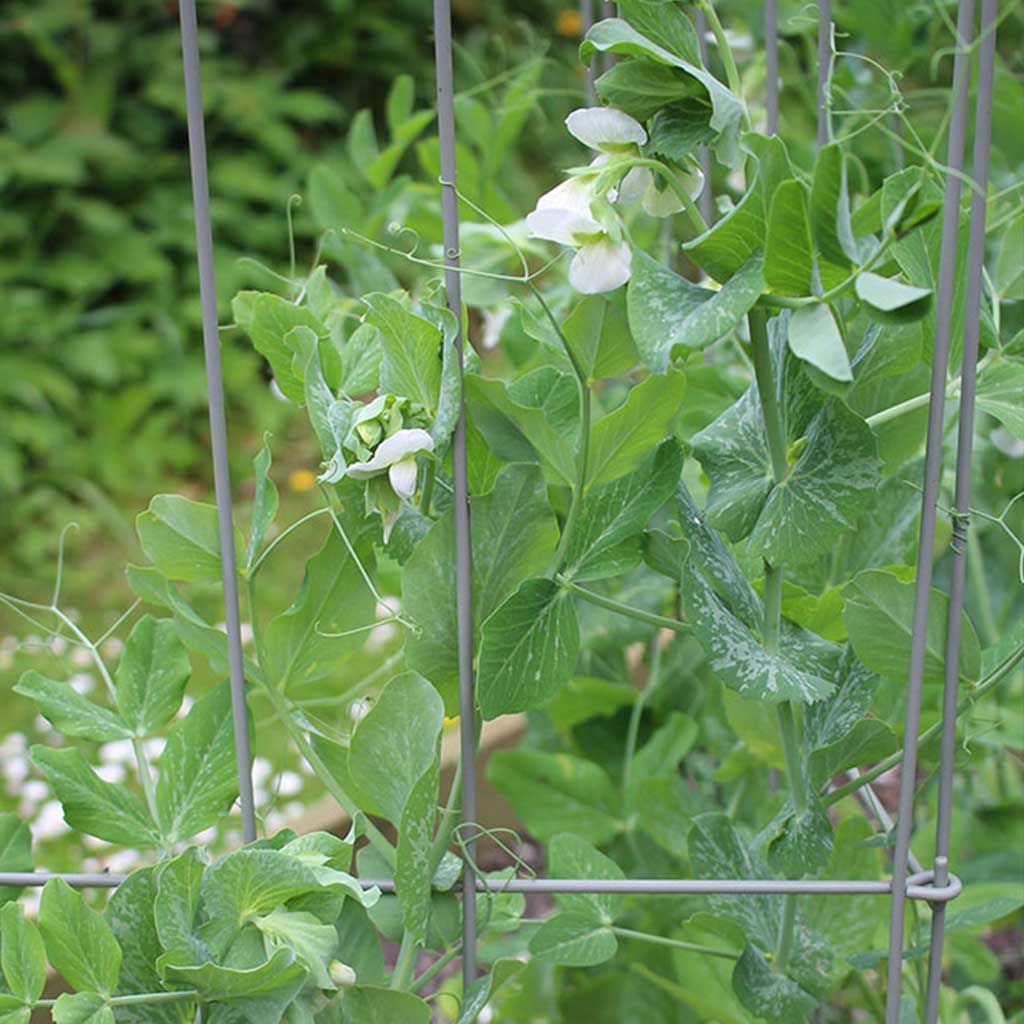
{"x": 707, "y": 197}
{"x": 586, "y": 21}
{"x": 964, "y": 452}
{"x": 771, "y": 67}
{"x": 606, "y": 60}
{"x": 824, "y": 71}
{"x": 463, "y": 551}
{"x": 926, "y": 539}
{"x": 215, "y": 398}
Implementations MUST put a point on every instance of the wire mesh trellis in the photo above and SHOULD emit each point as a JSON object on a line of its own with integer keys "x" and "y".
{"x": 936, "y": 885}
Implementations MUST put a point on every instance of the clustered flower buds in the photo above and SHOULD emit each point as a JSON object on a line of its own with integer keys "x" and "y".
{"x": 579, "y": 212}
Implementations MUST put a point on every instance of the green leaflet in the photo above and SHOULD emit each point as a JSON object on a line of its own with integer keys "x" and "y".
{"x": 599, "y": 337}
{"x": 879, "y": 616}
{"x": 69, "y": 712}
{"x": 613, "y": 35}
{"x": 533, "y": 419}
{"x": 797, "y": 845}
{"x": 22, "y": 955}
{"x": 832, "y": 476}
{"x": 313, "y": 942}
{"x": 620, "y": 440}
{"x": 151, "y": 675}
{"x": 198, "y": 776}
{"x": 368, "y": 1005}
{"x": 574, "y": 940}
{"x": 255, "y": 995}
{"x": 12, "y": 1011}
{"x": 767, "y": 994}
{"x": 553, "y": 793}
{"x": 1000, "y": 386}
{"x": 268, "y": 319}
{"x": 361, "y": 356}
{"x": 413, "y": 867}
{"x": 587, "y": 697}
{"x": 396, "y": 742}
{"x": 892, "y": 301}
{"x": 788, "y": 249}
{"x": 176, "y": 904}
{"x": 607, "y": 540}
{"x": 91, "y": 805}
{"x": 528, "y": 649}
{"x": 815, "y": 338}
{"x": 733, "y": 239}
{"x": 668, "y": 313}
{"x": 514, "y": 536}
{"x": 736, "y": 656}
{"x": 411, "y": 367}
{"x": 569, "y": 856}
{"x": 830, "y": 209}
{"x": 82, "y": 1008}
{"x": 264, "y": 503}
{"x": 15, "y": 851}
{"x": 668, "y": 27}
{"x": 333, "y": 599}
{"x": 180, "y": 537}
{"x": 641, "y": 88}
{"x": 130, "y": 915}
{"x": 79, "y": 943}
{"x": 661, "y": 754}
{"x": 479, "y": 994}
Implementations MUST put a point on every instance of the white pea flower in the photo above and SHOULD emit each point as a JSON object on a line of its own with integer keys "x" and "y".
{"x": 396, "y": 456}
{"x": 606, "y": 129}
{"x": 641, "y": 184}
{"x": 601, "y": 264}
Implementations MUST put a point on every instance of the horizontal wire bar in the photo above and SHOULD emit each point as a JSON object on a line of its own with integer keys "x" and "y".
{"x": 918, "y": 885}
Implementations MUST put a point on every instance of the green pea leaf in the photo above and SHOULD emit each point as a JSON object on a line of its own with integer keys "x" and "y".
{"x": 668, "y": 314}
{"x": 620, "y": 440}
{"x": 176, "y": 904}
{"x": 69, "y": 712}
{"x": 333, "y": 599}
{"x": 738, "y": 659}
{"x": 587, "y": 697}
{"x": 599, "y": 336}
{"x": 535, "y": 419}
{"x": 365, "y": 1004}
{"x": 735, "y": 237}
{"x": 553, "y": 793}
{"x": 613, "y": 35}
{"x": 12, "y": 1011}
{"x": 830, "y": 209}
{"x": 574, "y": 940}
{"x": 411, "y": 367}
{"x": 668, "y": 745}
{"x": 569, "y": 856}
{"x": 513, "y": 538}
{"x": 313, "y": 942}
{"x": 668, "y": 27}
{"x": 180, "y": 537}
{"x": 198, "y": 776}
{"x": 256, "y": 995}
{"x": 15, "y": 851}
{"x": 79, "y": 943}
{"x": 879, "y": 616}
{"x": 82, "y": 1008}
{"x": 151, "y": 675}
{"x": 767, "y": 994}
{"x": 607, "y": 540}
{"x": 814, "y": 337}
{"x": 1000, "y": 385}
{"x": 130, "y": 915}
{"x": 641, "y": 88}
{"x": 788, "y": 251}
{"x": 799, "y": 844}
{"x": 268, "y": 319}
{"x": 413, "y": 867}
{"x": 891, "y": 301}
{"x": 264, "y": 503}
{"x": 528, "y": 649}
{"x": 22, "y": 955}
{"x": 91, "y": 805}
{"x": 481, "y": 991}
{"x": 361, "y": 356}
{"x": 396, "y": 742}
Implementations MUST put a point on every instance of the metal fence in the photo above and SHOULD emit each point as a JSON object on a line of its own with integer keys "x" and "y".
{"x": 936, "y": 885}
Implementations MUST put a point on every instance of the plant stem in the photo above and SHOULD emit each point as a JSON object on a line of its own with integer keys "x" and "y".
{"x": 732, "y": 76}
{"x": 897, "y": 410}
{"x": 254, "y": 568}
{"x": 401, "y": 977}
{"x": 997, "y": 675}
{"x": 436, "y": 967}
{"x": 761, "y": 354}
{"x": 660, "y": 940}
{"x": 134, "y": 999}
{"x": 619, "y": 608}
{"x": 785, "y": 945}
{"x": 429, "y": 474}
{"x": 633, "y": 730}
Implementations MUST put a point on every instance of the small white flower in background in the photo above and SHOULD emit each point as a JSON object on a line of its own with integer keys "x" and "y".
{"x": 289, "y": 784}
{"x": 494, "y": 324}
{"x": 396, "y": 456}
{"x": 15, "y": 771}
{"x": 82, "y": 682}
{"x": 113, "y": 773}
{"x": 117, "y": 750}
{"x": 80, "y": 657}
{"x": 262, "y": 769}
{"x": 6, "y": 659}
{"x": 58, "y": 645}
{"x": 113, "y": 647}
{"x": 49, "y": 822}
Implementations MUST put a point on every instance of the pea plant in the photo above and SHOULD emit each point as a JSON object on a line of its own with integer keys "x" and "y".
{"x": 692, "y": 495}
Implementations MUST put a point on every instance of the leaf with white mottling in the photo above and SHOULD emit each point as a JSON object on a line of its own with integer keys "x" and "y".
{"x": 788, "y": 250}
{"x": 151, "y": 675}
{"x": 1001, "y": 393}
{"x": 767, "y": 994}
{"x": 79, "y": 943}
{"x": 69, "y": 712}
{"x": 413, "y": 868}
{"x": 22, "y": 954}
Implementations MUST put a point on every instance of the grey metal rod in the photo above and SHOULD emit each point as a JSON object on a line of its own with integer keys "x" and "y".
{"x": 707, "y": 197}
{"x": 460, "y": 486}
{"x": 824, "y": 65}
{"x": 771, "y": 67}
{"x": 881, "y": 815}
{"x": 926, "y": 538}
{"x": 215, "y": 398}
{"x": 918, "y": 886}
{"x": 586, "y": 21}
{"x": 964, "y": 454}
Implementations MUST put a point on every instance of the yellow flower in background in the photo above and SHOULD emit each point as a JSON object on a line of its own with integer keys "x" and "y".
{"x": 569, "y": 23}
{"x": 450, "y": 720}
{"x": 301, "y": 480}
